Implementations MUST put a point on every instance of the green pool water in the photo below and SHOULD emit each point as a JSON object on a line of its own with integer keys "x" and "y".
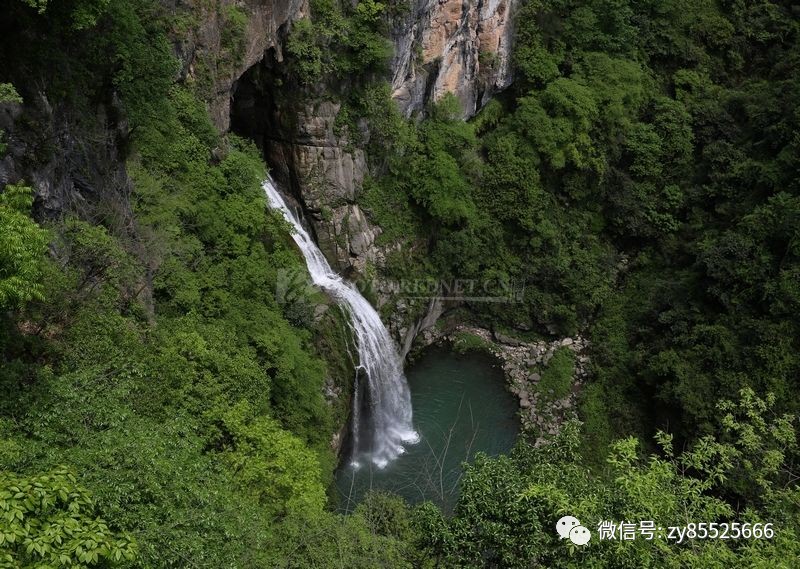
{"x": 461, "y": 407}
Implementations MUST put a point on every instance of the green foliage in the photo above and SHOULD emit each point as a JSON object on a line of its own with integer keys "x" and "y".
{"x": 39, "y": 5}
{"x": 386, "y": 515}
{"x": 86, "y": 13}
{"x": 143, "y": 63}
{"x": 508, "y": 508}
{"x": 598, "y": 432}
{"x": 8, "y": 94}
{"x": 176, "y": 413}
{"x": 155, "y": 358}
{"x": 86, "y": 47}
{"x": 639, "y": 177}
{"x": 83, "y": 13}
{"x": 335, "y": 541}
{"x": 98, "y": 259}
{"x": 49, "y": 520}
{"x": 556, "y": 380}
{"x": 233, "y": 32}
{"x": 277, "y": 468}
{"x": 439, "y": 182}
{"x": 558, "y": 122}
{"x": 302, "y": 45}
{"x": 143, "y": 455}
{"x": 23, "y": 245}
{"x": 464, "y": 342}
{"x": 473, "y": 204}
{"x": 10, "y": 449}
{"x": 338, "y": 40}
{"x": 227, "y": 267}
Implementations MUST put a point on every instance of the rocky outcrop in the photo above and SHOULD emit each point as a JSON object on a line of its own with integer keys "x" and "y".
{"x": 541, "y": 412}
{"x": 407, "y": 334}
{"x": 203, "y": 50}
{"x": 319, "y": 167}
{"x": 327, "y": 173}
{"x": 249, "y": 94}
{"x": 452, "y": 46}
{"x": 72, "y": 160}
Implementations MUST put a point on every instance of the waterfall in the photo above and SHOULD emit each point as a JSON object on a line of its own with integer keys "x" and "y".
{"x": 381, "y": 434}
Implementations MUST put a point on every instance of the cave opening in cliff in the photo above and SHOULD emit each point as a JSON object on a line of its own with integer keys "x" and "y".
{"x": 258, "y": 111}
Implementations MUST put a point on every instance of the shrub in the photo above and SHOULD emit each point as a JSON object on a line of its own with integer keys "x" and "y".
{"x": 556, "y": 381}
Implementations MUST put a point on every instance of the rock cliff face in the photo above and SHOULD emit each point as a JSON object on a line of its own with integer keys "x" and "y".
{"x": 319, "y": 168}
{"x": 267, "y": 23}
{"x": 248, "y": 94}
{"x": 457, "y": 46}
{"x": 326, "y": 173}
{"x": 89, "y": 164}
{"x": 452, "y": 46}
{"x": 441, "y": 46}
{"x": 73, "y": 165}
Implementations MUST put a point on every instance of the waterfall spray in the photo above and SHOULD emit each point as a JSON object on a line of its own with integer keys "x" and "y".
{"x": 388, "y": 422}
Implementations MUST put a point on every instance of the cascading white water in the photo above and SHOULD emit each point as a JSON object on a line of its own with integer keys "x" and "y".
{"x": 386, "y": 389}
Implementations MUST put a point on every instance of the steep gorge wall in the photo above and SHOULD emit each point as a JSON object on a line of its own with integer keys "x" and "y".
{"x": 440, "y": 46}
{"x": 238, "y": 65}
{"x": 444, "y": 46}
{"x": 80, "y": 154}
{"x": 452, "y": 46}
{"x": 265, "y": 31}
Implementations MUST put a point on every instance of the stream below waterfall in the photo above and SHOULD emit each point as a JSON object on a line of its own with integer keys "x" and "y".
{"x": 461, "y": 407}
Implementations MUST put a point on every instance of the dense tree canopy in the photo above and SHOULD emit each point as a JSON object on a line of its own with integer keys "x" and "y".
{"x": 507, "y": 512}
{"x": 639, "y": 181}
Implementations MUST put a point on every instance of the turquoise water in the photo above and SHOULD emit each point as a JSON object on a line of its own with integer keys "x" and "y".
{"x": 461, "y": 407}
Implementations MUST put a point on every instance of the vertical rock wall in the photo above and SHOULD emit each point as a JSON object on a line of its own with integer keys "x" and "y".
{"x": 452, "y": 46}
{"x": 268, "y": 22}
{"x": 440, "y": 46}
{"x": 326, "y": 173}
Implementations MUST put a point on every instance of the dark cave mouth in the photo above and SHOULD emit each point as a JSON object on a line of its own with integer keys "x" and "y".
{"x": 261, "y": 111}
